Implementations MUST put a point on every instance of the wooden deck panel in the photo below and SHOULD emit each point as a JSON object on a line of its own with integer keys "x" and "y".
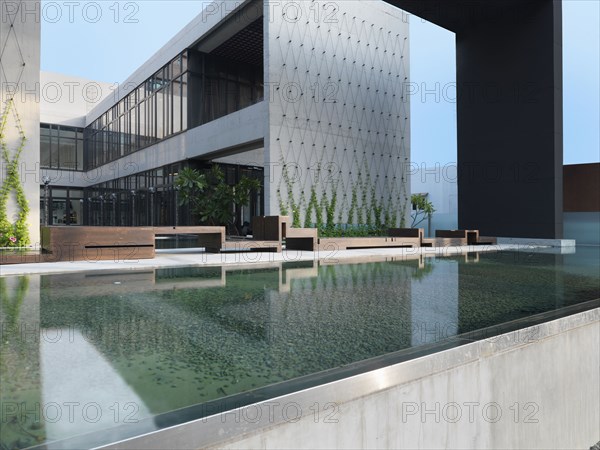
{"x": 97, "y": 243}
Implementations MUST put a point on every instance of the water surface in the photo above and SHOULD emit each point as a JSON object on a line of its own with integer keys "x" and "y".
{"x": 106, "y": 351}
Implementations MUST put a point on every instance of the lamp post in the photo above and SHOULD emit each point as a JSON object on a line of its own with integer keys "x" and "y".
{"x": 113, "y": 199}
{"x": 133, "y": 207}
{"x": 101, "y": 210}
{"x": 152, "y": 190}
{"x": 80, "y": 215}
{"x": 176, "y": 206}
{"x": 46, "y": 181}
{"x": 91, "y": 219}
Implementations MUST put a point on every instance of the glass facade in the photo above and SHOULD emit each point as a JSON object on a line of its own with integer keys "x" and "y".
{"x": 155, "y": 110}
{"x": 193, "y": 89}
{"x": 150, "y": 199}
{"x": 146, "y": 198}
{"x": 65, "y": 205}
{"x": 61, "y": 147}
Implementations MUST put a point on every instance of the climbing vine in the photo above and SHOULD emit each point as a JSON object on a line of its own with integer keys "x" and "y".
{"x": 12, "y": 234}
{"x": 369, "y": 206}
{"x": 329, "y": 207}
{"x": 12, "y": 307}
{"x": 293, "y": 206}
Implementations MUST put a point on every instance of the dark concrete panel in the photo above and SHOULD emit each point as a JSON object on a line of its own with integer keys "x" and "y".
{"x": 509, "y": 119}
{"x": 509, "y": 112}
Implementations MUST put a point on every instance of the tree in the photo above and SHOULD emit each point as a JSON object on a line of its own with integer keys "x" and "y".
{"x": 210, "y": 198}
{"x": 422, "y": 209}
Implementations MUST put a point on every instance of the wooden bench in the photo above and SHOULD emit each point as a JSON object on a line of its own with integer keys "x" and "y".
{"x": 307, "y": 239}
{"x": 278, "y": 229}
{"x": 97, "y": 243}
{"x": 356, "y": 243}
{"x": 210, "y": 237}
{"x": 446, "y": 238}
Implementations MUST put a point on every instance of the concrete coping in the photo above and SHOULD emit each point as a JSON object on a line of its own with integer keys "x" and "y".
{"x": 560, "y": 243}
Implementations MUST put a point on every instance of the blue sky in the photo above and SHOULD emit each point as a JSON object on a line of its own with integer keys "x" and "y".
{"x": 89, "y": 42}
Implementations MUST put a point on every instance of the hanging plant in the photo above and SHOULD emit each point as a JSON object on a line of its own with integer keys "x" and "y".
{"x": 13, "y": 234}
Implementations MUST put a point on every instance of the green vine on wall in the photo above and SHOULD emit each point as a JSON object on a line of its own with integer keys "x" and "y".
{"x": 293, "y": 206}
{"x": 12, "y": 234}
{"x": 368, "y": 206}
{"x": 329, "y": 207}
{"x": 313, "y": 204}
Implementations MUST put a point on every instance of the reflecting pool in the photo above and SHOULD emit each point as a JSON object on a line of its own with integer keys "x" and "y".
{"x": 89, "y": 358}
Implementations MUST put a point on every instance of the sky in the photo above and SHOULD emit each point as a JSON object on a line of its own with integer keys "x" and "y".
{"x": 107, "y": 41}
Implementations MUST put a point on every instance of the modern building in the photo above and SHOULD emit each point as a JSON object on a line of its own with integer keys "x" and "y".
{"x": 307, "y": 99}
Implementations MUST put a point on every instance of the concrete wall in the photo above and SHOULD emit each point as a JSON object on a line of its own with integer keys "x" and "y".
{"x": 338, "y": 121}
{"x": 66, "y": 100}
{"x": 19, "y": 85}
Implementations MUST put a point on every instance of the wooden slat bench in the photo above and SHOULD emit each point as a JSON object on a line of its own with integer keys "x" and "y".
{"x": 97, "y": 243}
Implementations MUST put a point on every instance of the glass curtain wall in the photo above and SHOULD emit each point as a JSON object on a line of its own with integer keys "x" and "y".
{"x": 65, "y": 205}
{"x": 150, "y": 199}
{"x": 155, "y": 110}
{"x": 179, "y": 96}
{"x": 144, "y": 199}
{"x": 61, "y": 147}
